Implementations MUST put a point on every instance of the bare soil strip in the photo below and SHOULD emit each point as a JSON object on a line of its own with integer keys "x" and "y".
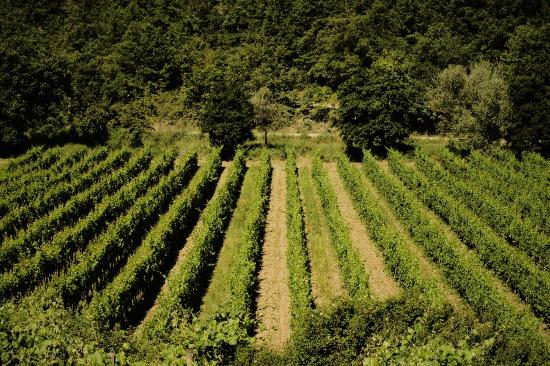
{"x": 273, "y": 308}
{"x": 218, "y": 291}
{"x": 381, "y": 284}
{"x": 428, "y": 268}
{"x": 326, "y": 280}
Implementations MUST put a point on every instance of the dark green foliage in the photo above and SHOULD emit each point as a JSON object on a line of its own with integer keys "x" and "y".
{"x": 132, "y": 117}
{"x": 91, "y": 125}
{"x": 33, "y": 84}
{"x": 73, "y": 70}
{"x": 214, "y": 340}
{"x": 528, "y": 59}
{"x": 396, "y": 332}
{"x": 380, "y": 105}
{"x": 55, "y": 336}
{"x": 226, "y": 115}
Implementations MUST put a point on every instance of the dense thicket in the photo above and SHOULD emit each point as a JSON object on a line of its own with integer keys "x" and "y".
{"x": 76, "y": 70}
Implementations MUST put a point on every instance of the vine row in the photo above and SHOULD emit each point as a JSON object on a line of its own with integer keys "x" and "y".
{"x": 55, "y": 254}
{"x": 243, "y": 276}
{"x": 353, "y": 271}
{"x": 510, "y": 264}
{"x": 42, "y": 230}
{"x": 299, "y": 271}
{"x": 121, "y": 299}
{"x": 40, "y": 181}
{"x": 22, "y": 217}
{"x": 506, "y": 222}
{"x": 184, "y": 286}
{"x": 15, "y": 178}
{"x": 466, "y": 276}
{"x": 98, "y": 263}
{"x": 402, "y": 262}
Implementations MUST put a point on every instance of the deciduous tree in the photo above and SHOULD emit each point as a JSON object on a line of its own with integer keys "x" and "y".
{"x": 472, "y": 104}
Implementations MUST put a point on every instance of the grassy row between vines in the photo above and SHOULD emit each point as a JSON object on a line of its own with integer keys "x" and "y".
{"x": 353, "y": 271}
{"x": 242, "y": 279}
{"x": 188, "y": 282}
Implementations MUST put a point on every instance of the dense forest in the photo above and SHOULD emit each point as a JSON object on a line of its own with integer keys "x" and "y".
{"x": 377, "y": 69}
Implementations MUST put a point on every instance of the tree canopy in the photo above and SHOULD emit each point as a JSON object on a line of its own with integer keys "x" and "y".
{"x": 70, "y": 70}
{"x": 380, "y": 105}
{"x": 472, "y": 103}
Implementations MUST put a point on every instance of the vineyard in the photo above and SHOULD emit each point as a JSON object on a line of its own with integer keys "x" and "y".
{"x": 177, "y": 257}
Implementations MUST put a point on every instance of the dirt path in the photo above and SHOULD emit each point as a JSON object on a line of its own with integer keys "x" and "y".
{"x": 381, "y": 284}
{"x": 428, "y": 268}
{"x": 274, "y": 297}
{"x": 326, "y": 280}
{"x": 182, "y": 255}
{"x": 218, "y": 290}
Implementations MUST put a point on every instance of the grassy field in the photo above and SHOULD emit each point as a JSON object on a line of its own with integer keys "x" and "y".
{"x": 404, "y": 258}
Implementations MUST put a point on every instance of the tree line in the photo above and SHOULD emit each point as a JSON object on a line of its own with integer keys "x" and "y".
{"x": 77, "y": 70}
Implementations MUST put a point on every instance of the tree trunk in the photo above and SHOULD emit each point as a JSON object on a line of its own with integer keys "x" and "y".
{"x": 265, "y": 137}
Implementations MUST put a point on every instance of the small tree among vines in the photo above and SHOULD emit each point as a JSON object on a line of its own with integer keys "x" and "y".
{"x": 268, "y": 114}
